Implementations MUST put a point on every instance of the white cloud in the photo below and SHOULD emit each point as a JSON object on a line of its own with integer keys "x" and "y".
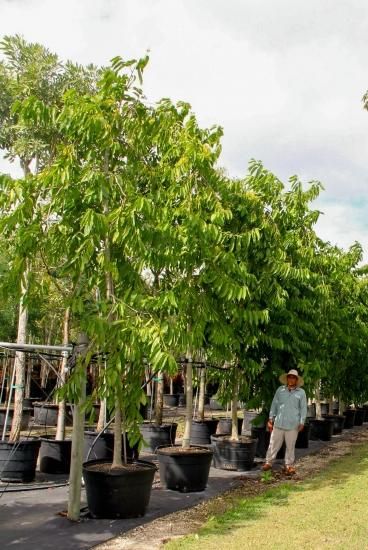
{"x": 285, "y": 79}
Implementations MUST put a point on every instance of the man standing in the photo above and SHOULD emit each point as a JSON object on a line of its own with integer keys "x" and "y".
{"x": 287, "y": 417}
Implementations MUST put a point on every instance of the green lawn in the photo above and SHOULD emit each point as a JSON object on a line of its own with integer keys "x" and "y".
{"x": 329, "y": 511}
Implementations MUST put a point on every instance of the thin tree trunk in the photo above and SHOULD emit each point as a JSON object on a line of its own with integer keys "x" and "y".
{"x": 318, "y": 402}
{"x": 234, "y": 407}
{"x": 60, "y": 429}
{"x": 117, "y": 460}
{"x": 171, "y": 386}
{"x": 159, "y": 404}
{"x": 78, "y": 437}
{"x": 202, "y": 390}
{"x": 20, "y": 363}
{"x": 102, "y": 416}
{"x": 189, "y": 404}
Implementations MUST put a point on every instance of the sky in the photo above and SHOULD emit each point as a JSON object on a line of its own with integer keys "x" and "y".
{"x": 284, "y": 79}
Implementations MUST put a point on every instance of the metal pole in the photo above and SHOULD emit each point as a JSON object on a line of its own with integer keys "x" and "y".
{"x": 35, "y": 347}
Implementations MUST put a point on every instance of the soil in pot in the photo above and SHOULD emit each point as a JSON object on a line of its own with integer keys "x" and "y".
{"x": 55, "y": 455}
{"x": 349, "y": 418}
{"x": 120, "y": 492}
{"x": 202, "y": 431}
{"x": 233, "y": 455}
{"x": 321, "y": 429}
{"x": 224, "y": 426}
{"x": 26, "y": 417}
{"x": 18, "y": 460}
{"x": 156, "y": 436}
{"x": 184, "y": 470}
{"x": 103, "y": 447}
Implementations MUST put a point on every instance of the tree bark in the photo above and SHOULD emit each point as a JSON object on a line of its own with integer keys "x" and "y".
{"x": 202, "y": 390}
{"x": 189, "y": 404}
{"x": 75, "y": 477}
{"x": 159, "y": 404}
{"x": 20, "y": 362}
{"x": 234, "y": 407}
{"x": 117, "y": 459}
{"x": 60, "y": 428}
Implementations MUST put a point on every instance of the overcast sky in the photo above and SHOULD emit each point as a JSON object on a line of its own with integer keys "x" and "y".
{"x": 284, "y": 78}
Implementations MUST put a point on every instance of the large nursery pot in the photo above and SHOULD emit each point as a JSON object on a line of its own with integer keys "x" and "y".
{"x": 156, "y": 436}
{"x": 311, "y": 410}
{"x": 321, "y": 429}
{"x": 224, "y": 426}
{"x": 26, "y": 417}
{"x": 349, "y": 418}
{"x": 103, "y": 447}
{"x": 325, "y": 408}
{"x": 182, "y": 400}
{"x": 184, "y": 470}
{"x": 55, "y": 455}
{"x": 216, "y": 405}
{"x": 302, "y": 441}
{"x": 18, "y": 460}
{"x": 365, "y": 407}
{"x": 118, "y": 493}
{"x": 46, "y": 414}
{"x": 262, "y": 435}
{"x": 233, "y": 455}
{"x": 359, "y": 416}
{"x": 249, "y": 417}
{"x": 202, "y": 431}
{"x": 171, "y": 400}
{"x": 338, "y": 422}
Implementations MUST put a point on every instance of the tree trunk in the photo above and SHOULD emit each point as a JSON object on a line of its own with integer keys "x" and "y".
{"x": 318, "y": 402}
{"x": 159, "y": 404}
{"x": 117, "y": 460}
{"x": 234, "y": 407}
{"x": 201, "y": 398}
{"x": 60, "y": 429}
{"x": 20, "y": 363}
{"x": 75, "y": 478}
{"x": 189, "y": 404}
{"x": 102, "y": 416}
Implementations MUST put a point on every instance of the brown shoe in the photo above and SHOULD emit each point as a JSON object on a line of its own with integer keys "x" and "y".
{"x": 289, "y": 470}
{"x": 266, "y": 467}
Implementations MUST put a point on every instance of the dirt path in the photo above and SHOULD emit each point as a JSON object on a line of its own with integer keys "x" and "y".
{"x": 152, "y": 536}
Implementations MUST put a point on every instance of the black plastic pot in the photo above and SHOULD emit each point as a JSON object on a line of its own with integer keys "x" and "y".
{"x": 103, "y": 447}
{"x": 249, "y": 417}
{"x": 311, "y": 410}
{"x": 182, "y": 400}
{"x": 338, "y": 423}
{"x": 202, "y": 431}
{"x": 233, "y": 455}
{"x": 365, "y": 407}
{"x": 321, "y": 429}
{"x": 171, "y": 400}
{"x": 55, "y": 455}
{"x": 155, "y": 436}
{"x": 302, "y": 441}
{"x": 262, "y": 435}
{"x": 224, "y": 426}
{"x": 216, "y": 405}
{"x": 120, "y": 493}
{"x": 349, "y": 418}
{"x": 18, "y": 460}
{"x": 26, "y": 417}
{"x": 184, "y": 471}
{"x": 359, "y": 416}
{"x": 325, "y": 408}
{"x": 45, "y": 414}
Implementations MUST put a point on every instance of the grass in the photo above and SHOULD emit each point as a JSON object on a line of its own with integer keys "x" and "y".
{"x": 328, "y": 511}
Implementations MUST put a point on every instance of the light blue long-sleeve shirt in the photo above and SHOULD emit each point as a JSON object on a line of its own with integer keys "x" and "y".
{"x": 289, "y": 408}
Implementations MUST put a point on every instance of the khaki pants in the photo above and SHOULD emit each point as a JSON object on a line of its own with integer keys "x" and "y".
{"x": 278, "y": 436}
